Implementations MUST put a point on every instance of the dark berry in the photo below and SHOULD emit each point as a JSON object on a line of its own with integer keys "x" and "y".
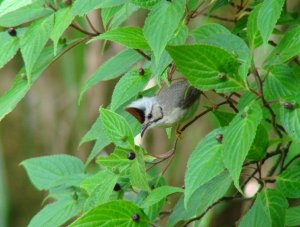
{"x": 141, "y": 72}
{"x": 68, "y": 2}
{"x": 288, "y": 105}
{"x": 131, "y": 155}
{"x": 12, "y": 31}
{"x": 135, "y": 217}
{"x": 117, "y": 187}
{"x": 219, "y": 138}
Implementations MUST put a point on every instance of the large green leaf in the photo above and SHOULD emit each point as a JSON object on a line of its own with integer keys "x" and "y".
{"x": 282, "y": 81}
{"x": 207, "y": 67}
{"x": 25, "y": 14}
{"x": 253, "y": 34}
{"x": 99, "y": 187}
{"x": 260, "y": 144}
{"x": 145, "y": 3}
{"x": 9, "y": 46}
{"x": 287, "y": 48}
{"x": 268, "y": 210}
{"x": 50, "y": 171}
{"x": 20, "y": 85}
{"x": 238, "y": 138}
{"x": 223, "y": 117}
{"x": 159, "y": 194}
{"x": 56, "y": 214}
{"x": 138, "y": 175}
{"x": 33, "y": 42}
{"x": 161, "y": 24}
{"x": 202, "y": 198}
{"x": 228, "y": 41}
{"x": 132, "y": 83}
{"x": 115, "y": 213}
{"x": 8, "y": 6}
{"x": 204, "y": 164}
{"x": 205, "y": 31}
{"x": 289, "y": 182}
{"x": 267, "y": 17}
{"x": 120, "y": 64}
{"x": 132, "y": 37}
{"x": 290, "y": 118}
{"x": 62, "y": 19}
{"x": 116, "y": 159}
{"x": 97, "y": 133}
{"x": 117, "y": 128}
{"x": 292, "y": 217}
{"x": 81, "y": 7}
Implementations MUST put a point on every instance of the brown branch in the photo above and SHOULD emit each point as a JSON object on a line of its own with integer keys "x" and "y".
{"x": 228, "y": 198}
{"x": 219, "y": 18}
{"x": 201, "y": 115}
{"x": 77, "y": 27}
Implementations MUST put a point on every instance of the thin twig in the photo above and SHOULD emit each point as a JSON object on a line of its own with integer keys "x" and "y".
{"x": 143, "y": 54}
{"x": 82, "y": 30}
{"x": 91, "y": 25}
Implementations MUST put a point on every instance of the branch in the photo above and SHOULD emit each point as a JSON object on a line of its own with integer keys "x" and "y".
{"x": 143, "y": 54}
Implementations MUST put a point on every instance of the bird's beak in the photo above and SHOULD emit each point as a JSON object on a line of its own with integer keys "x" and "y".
{"x": 144, "y": 128}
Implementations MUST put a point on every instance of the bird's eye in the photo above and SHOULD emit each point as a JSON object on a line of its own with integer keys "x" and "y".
{"x": 150, "y": 116}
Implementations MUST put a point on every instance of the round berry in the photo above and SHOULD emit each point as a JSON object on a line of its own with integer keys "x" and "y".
{"x": 117, "y": 187}
{"x": 135, "y": 217}
{"x": 219, "y": 138}
{"x": 131, "y": 155}
{"x": 288, "y": 105}
{"x": 12, "y": 31}
{"x": 68, "y": 2}
{"x": 141, "y": 72}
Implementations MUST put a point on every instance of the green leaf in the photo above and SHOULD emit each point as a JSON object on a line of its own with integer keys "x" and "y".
{"x": 62, "y": 19}
{"x": 145, "y": 3}
{"x": 161, "y": 24}
{"x": 268, "y": 210}
{"x": 107, "y": 15}
{"x": 253, "y": 34}
{"x": 33, "y": 42}
{"x": 231, "y": 43}
{"x": 97, "y": 133}
{"x": 223, "y": 117}
{"x": 122, "y": 215}
{"x": 121, "y": 63}
{"x": 50, "y": 171}
{"x": 267, "y": 17}
{"x": 193, "y": 4}
{"x": 25, "y": 14}
{"x": 289, "y": 182}
{"x": 292, "y": 217}
{"x": 116, "y": 128}
{"x": 204, "y": 164}
{"x": 159, "y": 194}
{"x": 290, "y": 118}
{"x": 138, "y": 175}
{"x": 56, "y": 214}
{"x": 207, "y": 194}
{"x": 122, "y": 15}
{"x": 235, "y": 146}
{"x": 180, "y": 36}
{"x": 132, "y": 83}
{"x": 80, "y": 7}
{"x": 205, "y": 31}
{"x": 218, "y": 4}
{"x": 131, "y": 37}
{"x": 281, "y": 81}
{"x": 260, "y": 144}
{"x": 9, "y": 46}
{"x": 288, "y": 47}
{"x": 8, "y": 6}
{"x": 116, "y": 159}
{"x": 207, "y": 67}
{"x": 20, "y": 86}
{"x": 99, "y": 187}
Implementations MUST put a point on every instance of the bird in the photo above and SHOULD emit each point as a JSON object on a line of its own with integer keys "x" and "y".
{"x": 172, "y": 105}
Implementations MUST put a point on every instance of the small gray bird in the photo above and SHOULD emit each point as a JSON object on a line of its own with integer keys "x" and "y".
{"x": 172, "y": 105}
